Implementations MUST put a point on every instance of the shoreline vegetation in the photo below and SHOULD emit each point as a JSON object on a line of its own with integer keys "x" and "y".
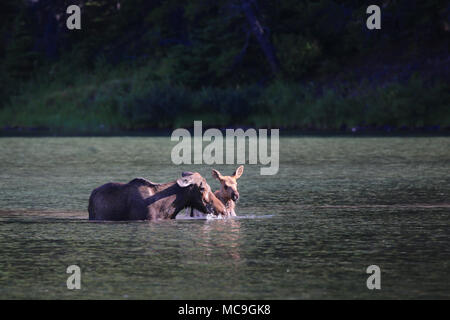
{"x": 109, "y": 102}
{"x": 134, "y": 105}
{"x": 180, "y": 62}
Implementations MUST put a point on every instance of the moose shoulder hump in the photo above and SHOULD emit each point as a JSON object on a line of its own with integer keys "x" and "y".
{"x": 142, "y": 181}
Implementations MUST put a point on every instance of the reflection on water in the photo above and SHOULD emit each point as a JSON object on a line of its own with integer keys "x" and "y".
{"x": 224, "y": 234}
{"x": 337, "y": 206}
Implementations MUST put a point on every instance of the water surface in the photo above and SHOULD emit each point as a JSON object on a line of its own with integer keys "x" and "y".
{"x": 336, "y": 206}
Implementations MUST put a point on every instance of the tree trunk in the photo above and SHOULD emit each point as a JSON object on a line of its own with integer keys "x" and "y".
{"x": 260, "y": 35}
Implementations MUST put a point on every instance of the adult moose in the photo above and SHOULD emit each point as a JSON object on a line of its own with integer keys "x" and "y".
{"x": 141, "y": 199}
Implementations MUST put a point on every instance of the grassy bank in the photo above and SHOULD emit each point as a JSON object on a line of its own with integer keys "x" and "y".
{"x": 134, "y": 99}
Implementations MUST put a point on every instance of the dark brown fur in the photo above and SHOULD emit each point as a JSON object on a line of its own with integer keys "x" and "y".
{"x": 141, "y": 199}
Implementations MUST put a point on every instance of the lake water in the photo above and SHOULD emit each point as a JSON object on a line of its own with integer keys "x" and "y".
{"x": 337, "y": 206}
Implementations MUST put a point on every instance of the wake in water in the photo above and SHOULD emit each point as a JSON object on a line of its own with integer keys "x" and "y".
{"x": 197, "y": 215}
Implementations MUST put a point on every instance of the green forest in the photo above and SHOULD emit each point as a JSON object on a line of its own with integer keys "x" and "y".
{"x": 301, "y": 65}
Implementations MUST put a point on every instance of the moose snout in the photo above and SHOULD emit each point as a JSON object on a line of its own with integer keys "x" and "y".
{"x": 235, "y": 196}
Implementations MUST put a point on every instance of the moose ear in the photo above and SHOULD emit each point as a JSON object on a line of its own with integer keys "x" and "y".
{"x": 216, "y": 174}
{"x": 185, "y": 181}
{"x": 238, "y": 173}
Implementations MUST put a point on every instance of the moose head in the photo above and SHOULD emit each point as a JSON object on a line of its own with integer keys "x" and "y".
{"x": 200, "y": 196}
{"x": 228, "y": 185}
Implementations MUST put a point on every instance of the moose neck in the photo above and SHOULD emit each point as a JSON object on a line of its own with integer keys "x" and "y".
{"x": 218, "y": 204}
{"x": 168, "y": 200}
{"x": 223, "y": 196}
{"x": 181, "y": 200}
{"x": 164, "y": 186}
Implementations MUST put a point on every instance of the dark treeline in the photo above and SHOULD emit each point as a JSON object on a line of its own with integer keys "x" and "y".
{"x": 162, "y": 64}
